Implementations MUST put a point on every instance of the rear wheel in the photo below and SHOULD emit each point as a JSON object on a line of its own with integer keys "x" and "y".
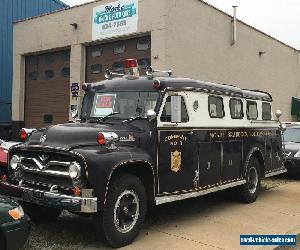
{"x": 250, "y": 190}
{"x": 41, "y": 214}
{"x": 124, "y": 211}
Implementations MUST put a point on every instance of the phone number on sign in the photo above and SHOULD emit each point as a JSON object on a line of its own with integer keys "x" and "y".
{"x": 114, "y": 24}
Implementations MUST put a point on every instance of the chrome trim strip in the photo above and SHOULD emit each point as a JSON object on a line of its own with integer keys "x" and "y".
{"x": 61, "y": 163}
{"x": 46, "y": 172}
{"x": 161, "y": 128}
{"x": 49, "y": 164}
{"x": 177, "y": 197}
{"x": 276, "y": 173}
{"x": 42, "y": 169}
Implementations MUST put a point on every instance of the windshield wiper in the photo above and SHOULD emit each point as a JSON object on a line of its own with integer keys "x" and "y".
{"x": 102, "y": 119}
{"x": 99, "y": 120}
{"x": 131, "y": 119}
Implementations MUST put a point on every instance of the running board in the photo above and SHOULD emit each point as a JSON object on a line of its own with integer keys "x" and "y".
{"x": 276, "y": 173}
{"x": 178, "y": 197}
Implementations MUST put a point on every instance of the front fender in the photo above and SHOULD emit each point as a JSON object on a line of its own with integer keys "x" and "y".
{"x": 254, "y": 152}
{"x": 101, "y": 163}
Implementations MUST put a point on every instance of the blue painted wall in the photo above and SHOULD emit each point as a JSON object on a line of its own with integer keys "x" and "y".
{"x": 11, "y": 11}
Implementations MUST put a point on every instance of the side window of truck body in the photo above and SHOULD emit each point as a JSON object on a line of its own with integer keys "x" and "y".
{"x": 252, "y": 112}
{"x": 216, "y": 107}
{"x": 266, "y": 111}
{"x": 236, "y": 108}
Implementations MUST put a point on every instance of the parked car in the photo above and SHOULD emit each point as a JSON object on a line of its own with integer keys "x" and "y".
{"x": 291, "y": 147}
{"x": 14, "y": 225}
{"x": 4, "y": 147}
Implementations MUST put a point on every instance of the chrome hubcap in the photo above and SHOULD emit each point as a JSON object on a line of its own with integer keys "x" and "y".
{"x": 252, "y": 180}
{"x": 126, "y": 211}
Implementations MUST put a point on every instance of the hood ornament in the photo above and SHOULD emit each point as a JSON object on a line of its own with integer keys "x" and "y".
{"x": 43, "y": 138}
{"x": 43, "y": 158}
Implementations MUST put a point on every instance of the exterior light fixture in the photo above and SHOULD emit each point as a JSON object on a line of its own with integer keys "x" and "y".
{"x": 75, "y": 25}
{"x": 261, "y": 53}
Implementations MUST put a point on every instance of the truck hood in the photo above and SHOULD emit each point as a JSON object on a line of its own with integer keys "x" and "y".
{"x": 72, "y": 135}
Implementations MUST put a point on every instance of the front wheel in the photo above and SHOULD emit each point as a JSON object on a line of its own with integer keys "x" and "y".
{"x": 124, "y": 211}
{"x": 250, "y": 190}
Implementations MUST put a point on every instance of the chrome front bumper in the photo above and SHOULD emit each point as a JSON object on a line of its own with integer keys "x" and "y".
{"x": 70, "y": 203}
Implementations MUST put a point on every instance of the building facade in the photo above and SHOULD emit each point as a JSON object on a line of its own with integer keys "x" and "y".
{"x": 194, "y": 39}
{"x": 11, "y": 11}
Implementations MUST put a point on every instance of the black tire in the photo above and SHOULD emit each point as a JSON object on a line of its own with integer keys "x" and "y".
{"x": 125, "y": 210}
{"x": 41, "y": 214}
{"x": 2, "y": 241}
{"x": 250, "y": 190}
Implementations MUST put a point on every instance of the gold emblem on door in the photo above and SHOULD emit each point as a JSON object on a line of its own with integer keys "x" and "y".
{"x": 176, "y": 161}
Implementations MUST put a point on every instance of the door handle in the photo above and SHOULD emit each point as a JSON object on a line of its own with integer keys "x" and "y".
{"x": 191, "y": 133}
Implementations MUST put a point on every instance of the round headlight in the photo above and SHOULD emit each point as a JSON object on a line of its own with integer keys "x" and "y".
{"x": 74, "y": 170}
{"x": 15, "y": 160}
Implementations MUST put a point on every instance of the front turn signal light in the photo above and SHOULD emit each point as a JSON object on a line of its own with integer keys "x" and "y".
{"x": 77, "y": 191}
{"x": 16, "y": 213}
{"x": 3, "y": 178}
{"x": 23, "y": 134}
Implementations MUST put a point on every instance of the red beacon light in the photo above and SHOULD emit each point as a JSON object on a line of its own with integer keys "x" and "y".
{"x": 23, "y": 134}
{"x": 156, "y": 84}
{"x": 101, "y": 139}
{"x": 131, "y": 67}
{"x": 130, "y": 63}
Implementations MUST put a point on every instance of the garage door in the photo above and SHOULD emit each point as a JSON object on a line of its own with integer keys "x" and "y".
{"x": 111, "y": 56}
{"x": 47, "y": 91}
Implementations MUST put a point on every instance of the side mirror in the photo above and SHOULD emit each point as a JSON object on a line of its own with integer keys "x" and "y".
{"x": 283, "y": 127}
{"x": 278, "y": 114}
{"x": 74, "y": 111}
{"x": 176, "y": 108}
{"x": 151, "y": 114}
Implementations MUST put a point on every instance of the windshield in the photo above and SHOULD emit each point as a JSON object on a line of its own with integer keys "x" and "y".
{"x": 126, "y": 104}
{"x": 292, "y": 135}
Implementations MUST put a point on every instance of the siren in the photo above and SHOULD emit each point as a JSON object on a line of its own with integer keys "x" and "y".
{"x": 131, "y": 67}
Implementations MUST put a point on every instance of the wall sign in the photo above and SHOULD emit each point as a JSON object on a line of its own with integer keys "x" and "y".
{"x": 103, "y": 104}
{"x": 115, "y": 19}
{"x": 74, "y": 89}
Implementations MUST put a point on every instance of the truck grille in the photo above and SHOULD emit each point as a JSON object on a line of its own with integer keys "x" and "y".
{"x": 37, "y": 165}
{"x": 43, "y": 179}
{"x": 45, "y": 169}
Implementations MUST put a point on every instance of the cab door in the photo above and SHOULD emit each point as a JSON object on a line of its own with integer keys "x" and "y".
{"x": 176, "y": 167}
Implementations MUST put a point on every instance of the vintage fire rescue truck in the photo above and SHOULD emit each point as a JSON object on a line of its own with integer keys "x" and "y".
{"x": 144, "y": 141}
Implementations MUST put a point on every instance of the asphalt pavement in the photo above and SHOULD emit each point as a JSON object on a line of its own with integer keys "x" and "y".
{"x": 209, "y": 222}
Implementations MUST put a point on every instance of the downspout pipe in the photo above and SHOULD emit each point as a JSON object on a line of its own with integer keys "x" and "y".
{"x": 233, "y": 41}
